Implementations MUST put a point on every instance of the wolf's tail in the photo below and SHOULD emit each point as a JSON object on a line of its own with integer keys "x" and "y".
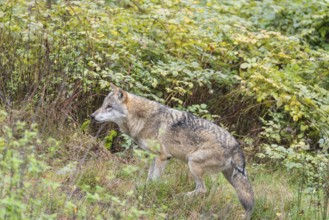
{"x": 244, "y": 190}
{"x": 240, "y": 181}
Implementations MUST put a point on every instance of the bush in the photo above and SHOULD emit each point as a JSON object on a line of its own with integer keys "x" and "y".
{"x": 21, "y": 170}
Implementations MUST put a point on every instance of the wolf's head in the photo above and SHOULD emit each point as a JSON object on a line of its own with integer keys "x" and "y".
{"x": 113, "y": 108}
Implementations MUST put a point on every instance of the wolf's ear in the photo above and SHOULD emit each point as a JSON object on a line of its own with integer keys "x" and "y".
{"x": 122, "y": 95}
{"x": 113, "y": 87}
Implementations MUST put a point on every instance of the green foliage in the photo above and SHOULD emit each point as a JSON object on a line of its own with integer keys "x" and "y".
{"x": 109, "y": 139}
{"x": 308, "y": 19}
{"x": 85, "y": 125}
{"x": 21, "y": 170}
{"x": 127, "y": 142}
{"x": 202, "y": 111}
{"x": 292, "y": 149}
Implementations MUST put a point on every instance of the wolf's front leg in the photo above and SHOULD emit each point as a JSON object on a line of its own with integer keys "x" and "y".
{"x": 157, "y": 167}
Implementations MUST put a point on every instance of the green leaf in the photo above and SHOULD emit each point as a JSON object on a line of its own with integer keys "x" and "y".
{"x": 244, "y": 65}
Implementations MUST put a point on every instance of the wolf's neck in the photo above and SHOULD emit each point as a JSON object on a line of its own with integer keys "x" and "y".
{"x": 134, "y": 126}
{"x": 140, "y": 112}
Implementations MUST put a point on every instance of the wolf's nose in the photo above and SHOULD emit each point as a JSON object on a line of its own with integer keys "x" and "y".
{"x": 92, "y": 116}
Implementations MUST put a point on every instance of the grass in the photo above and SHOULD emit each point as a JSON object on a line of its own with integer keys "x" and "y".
{"x": 84, "y": 181}
{"x": 115, "y": 188}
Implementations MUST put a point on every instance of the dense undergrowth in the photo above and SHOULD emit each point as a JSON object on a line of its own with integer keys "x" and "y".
{"x": 258, "y": 68}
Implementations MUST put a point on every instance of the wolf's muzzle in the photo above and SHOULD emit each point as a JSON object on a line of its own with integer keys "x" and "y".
{"x": 92, "y": 117}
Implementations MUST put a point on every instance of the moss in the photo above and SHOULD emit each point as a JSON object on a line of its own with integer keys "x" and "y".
{"x": 109, "y": 139}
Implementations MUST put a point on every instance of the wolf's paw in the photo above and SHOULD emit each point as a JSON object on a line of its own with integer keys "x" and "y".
{"x": 196, "y": 193}
{"x": 191, "y": 194}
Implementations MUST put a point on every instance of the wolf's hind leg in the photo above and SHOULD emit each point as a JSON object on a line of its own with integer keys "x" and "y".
{"x": 199, "y": 163}
{"x": 197, "y": 173}
{"x": 157, "y": 167}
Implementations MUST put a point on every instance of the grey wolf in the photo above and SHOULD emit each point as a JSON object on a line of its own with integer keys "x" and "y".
{"x": 170, "y": 133}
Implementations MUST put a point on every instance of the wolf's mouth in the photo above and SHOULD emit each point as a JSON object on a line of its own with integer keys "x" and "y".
{"x": 93, "y": 119}
{"x": 96, "y": 121}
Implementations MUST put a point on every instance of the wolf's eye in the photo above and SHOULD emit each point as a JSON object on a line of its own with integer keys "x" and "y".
{"x": 109, "y": 107}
